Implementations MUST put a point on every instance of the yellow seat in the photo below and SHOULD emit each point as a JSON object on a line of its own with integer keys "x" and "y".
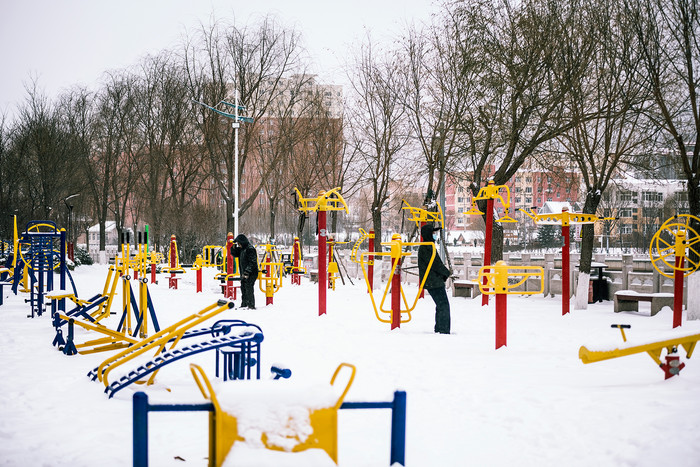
{"x": 224, "y": 427}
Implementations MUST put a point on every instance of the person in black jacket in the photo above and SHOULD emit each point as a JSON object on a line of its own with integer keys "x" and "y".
{"x": 248, "y": 265}
{"x": 435, "y": 282}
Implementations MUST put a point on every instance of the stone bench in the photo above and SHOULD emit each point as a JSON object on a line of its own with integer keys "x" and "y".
{"x": 465, "y": 288}
{"x": 629, "y": 301}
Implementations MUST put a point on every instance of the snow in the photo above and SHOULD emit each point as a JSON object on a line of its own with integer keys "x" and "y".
{"x": 531, "y": 403}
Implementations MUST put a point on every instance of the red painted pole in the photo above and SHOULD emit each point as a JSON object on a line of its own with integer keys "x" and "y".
{"x": 678, "y": 293}
{"x": 396, "y": 294}
{"x": 501, "y": 319}
{"x": 199, "y": 280}
{"x": 565, "y": 263}
{"x": 153, "y": 272}
{"x": 296, "y": 279}
{"x": 173, "y": 256}
{"x": 322, "y": 269}
{"x": 370, "y": 267}
{"x": 487, "y": 244}
{"x": 229, "y": 291}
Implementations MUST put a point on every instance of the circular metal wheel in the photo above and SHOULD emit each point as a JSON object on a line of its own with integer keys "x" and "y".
{"x": 676, "y": 229}
{"x": 24, "y": 247}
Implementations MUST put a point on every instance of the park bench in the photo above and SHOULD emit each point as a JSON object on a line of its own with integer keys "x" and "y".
{"x": 627, "y": 300}
{"x": 465, "y": 288}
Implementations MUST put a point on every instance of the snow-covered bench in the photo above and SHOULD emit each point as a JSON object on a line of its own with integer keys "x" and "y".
{"x": 465, "y": 288}
{"x": 628, "y": 300}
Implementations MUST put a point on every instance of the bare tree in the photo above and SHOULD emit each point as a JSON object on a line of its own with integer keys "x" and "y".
{"x": 379, "y": 128}
{"x": 514, "y": 105}
{"x": 254, "y": 61}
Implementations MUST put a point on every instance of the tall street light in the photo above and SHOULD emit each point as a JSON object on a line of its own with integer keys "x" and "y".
{"x": 70, "y": 245}
{"x": 237, "y": 119}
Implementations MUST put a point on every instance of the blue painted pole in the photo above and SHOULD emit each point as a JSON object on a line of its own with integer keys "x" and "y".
{"x": 140, "y": 429}
{"x": 398, "y": 429}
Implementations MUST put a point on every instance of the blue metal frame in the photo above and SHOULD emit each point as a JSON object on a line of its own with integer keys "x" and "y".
{"x": 141, "y": 408}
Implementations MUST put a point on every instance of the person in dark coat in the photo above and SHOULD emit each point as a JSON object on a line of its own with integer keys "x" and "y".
{"x": 248, "y": 265}
{"x": 435, "y": 282}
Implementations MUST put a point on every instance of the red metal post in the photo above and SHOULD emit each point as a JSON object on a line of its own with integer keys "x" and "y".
{"x": 396, "y": 294}
{"x": 370, "y": 267}
{"x": 501, "y": 319}
{"x": 487, "y": 244}
{"x": 199, "y": 279}
{"x": 565, "y": 263}
{"x": 678, "y": 293}
{"x": 296, "y": 257}
{"x": 322, "y": 269}
{"x": 229, "y": 291}
{"x": 172, "y": 280}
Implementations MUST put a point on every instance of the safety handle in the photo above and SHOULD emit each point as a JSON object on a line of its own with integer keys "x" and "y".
{"x": 201, "y": 379}
{"x": 347, "y": 387}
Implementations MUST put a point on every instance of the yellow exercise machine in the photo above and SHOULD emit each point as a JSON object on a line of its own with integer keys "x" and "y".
{"x": 397, "y": 253}
{"x": 498, "y": 280}
{"x": 271, "y": 271}
{"x": 683, "y": 249}
{"x": 422, "y": 216}
{"x": 160, "y": 342}
{"x": 224, "y": 432}
{"x": 671, "y": 367}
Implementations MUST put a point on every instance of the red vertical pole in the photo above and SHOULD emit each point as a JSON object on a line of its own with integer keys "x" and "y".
{"x": 153, "y": 272}
{"x": 199, "y": 280}
{"x": 322, "y": 270}
{"x": 173, "y": 264}
{"x": 487, "y": 244}
{"x": 565, "y": 289}
{"x": 296, "y": 255}
{"x": 396, "y": 294}
{"x": 501, "y": 319}
{"x": 678, "y": 293}
{"x": 370, "y": 267}
{"x": 229, "y": 291}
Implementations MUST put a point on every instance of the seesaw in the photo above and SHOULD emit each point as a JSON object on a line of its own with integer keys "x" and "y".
{"x": 671, "y": 367}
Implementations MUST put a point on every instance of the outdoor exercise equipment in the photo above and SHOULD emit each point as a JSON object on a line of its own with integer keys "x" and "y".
{"x": 564, "y": 219}
{"x": 397, "y": 253}
{"x": 173, "y": 267}
{"x": 271, "y": 271}
{"x": 168, "y": 337}
{"x": 128, "y": 331}
{"x": 672, "y": 365}
{"x": 684, "y": 250}
{"x": 42, "y": 248}
{"x": 333, "y": 261}
{"x": 330, "y": 200}
{"x": 220, "y": 434}
{"x": 364, "y": 235}
{"x": 231, "y": 271}
{"x": 495, "y": 280}
{"x": 422, "y": 216}
{"x": 489, "y": 193}
{"x": 295, "y": 269}
{"x": 197, "y": 267}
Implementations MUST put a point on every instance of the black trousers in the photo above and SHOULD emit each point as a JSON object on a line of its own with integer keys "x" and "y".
{"x": 247, "y": 294}
{"x": 442, "y": 309}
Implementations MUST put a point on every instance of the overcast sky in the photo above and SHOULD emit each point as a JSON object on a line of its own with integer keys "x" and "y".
{"x": 67, "y": 42}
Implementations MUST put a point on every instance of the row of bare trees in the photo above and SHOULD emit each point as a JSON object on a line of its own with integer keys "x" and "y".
{"x": 594, "y": 86}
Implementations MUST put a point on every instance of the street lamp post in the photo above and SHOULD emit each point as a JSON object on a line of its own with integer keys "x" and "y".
{"x": 69, "y": 242}
{"x": 237, "y": 119}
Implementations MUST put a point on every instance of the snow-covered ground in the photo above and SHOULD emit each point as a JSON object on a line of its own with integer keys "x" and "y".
{"x": 532, "y": 403}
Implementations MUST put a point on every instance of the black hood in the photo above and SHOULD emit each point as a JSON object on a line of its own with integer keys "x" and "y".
{"x": 426, "y": 232}
{"x": 242, "y": 240}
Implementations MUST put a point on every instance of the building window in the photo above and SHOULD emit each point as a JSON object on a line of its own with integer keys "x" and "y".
{"x": 625, "y": 212}
{"x": 626, "y": 229}
{"x": 528, "y": 200}
{"x": 528, "y": 189}
{"x": 652, "y": 196}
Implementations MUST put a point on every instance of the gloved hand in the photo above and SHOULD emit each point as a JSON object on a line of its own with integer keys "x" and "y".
{"x": 244, "y": 277}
